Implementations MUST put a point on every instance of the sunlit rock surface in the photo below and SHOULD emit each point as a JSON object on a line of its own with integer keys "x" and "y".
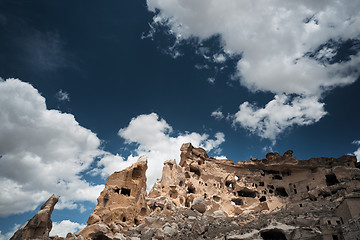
{"x": 278, "y": 197}
{"x": 40, "y": 225}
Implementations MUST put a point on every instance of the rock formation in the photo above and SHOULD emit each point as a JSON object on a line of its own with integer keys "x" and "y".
{"x": 40, "y": 225}
{"x": 121, "y": 204}
{"x": 278, "y": 197}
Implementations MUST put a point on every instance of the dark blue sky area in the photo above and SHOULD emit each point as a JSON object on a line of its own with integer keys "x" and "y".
{"x": 95, "y": 53}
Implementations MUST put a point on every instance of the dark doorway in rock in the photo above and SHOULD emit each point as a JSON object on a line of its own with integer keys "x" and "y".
{"x": 273, "y": 234}
{"x": 246, "y": 193}
{"x": 195, "y": 170}
{"x": 331, "y": 179}
{"x": 280, "y": 191}
{"x": 136, "y": 173}
{"x": 125, "y": 191}
{"x": 191, "y": 189}
{"x": 262, "y": 199}
{"x": 237, "y": 201}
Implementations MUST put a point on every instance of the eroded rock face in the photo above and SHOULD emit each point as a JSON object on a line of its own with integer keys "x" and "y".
{"x": 121, "y": 204}
{"x": 278, "y": 197}
{"x": 40, "y": 225}
{"x": 308, "y": 191}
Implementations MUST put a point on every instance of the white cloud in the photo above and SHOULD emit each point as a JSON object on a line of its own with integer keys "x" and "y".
{"x": 217, "y": 114}
{"x": 219, "y": 58}
{"x": 211, "y": 80}
{"x": 273, "y": 36}
{"x": 155, "y": 139}
{"x": 274, "y": 39}
{"x": 42, "y": 152}
{"x": 279, "y": 114}
{"x": 357, "y": 152}
{"x": 62, "y": 96}
{"x": 64, "y": 227}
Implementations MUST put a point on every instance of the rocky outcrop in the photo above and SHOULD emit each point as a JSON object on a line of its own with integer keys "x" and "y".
{"x": 121, "y": 204}
{"x": 278, "y": 197}
{"x": 40, "y": 225}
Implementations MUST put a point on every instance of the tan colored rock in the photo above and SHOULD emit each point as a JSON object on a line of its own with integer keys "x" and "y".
{"x": 278, "y": 197}
{"x": 199, "y": 204}
{"x": 121, "y": 204}
{"x": 40, "y": 225}
{"x": 252, "y": 186}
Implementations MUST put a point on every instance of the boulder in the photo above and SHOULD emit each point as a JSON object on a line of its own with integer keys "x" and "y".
{"x": 199, "y": 204}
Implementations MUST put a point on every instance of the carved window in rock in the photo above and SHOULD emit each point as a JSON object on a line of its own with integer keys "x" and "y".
{"x": 136, "y": 173}
{"x": 101, "y": 237}
{"x": 230, "y": 184}
{"x": 262, "y": 199}
{"x": 195, "y": 170}
{"x": 273, "y": 234}
{"x": 246, "y": 193}
{"x": 125, "y": 191}
{"x": 331, "y": 179}
{"x": 277, "y": 177}
{"x": 216, "y": 198}
{"x": 280, "y": 191}
{"x": 237, "y": 201}
{"x": 191, "y": 189}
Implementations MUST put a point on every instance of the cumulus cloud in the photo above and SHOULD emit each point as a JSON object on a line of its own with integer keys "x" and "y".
{"x": 217, "y": 114}
{"x": 357, "y": 152}
{"x": 278, "y": 115}
{"x": 286, "y": 47}
{"x": 211, "y": 80}
{"x": 64, "y": 227}
{"x": 42, "y": 152}
{"x": 62, "y": 96}
{"x": 155, "y": 139}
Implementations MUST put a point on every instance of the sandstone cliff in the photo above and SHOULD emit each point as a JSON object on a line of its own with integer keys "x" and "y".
{"x": 278, "y": 197}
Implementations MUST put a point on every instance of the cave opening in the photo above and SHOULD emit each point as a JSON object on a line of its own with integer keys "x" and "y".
{"x": 262, "y": 199}
{"x": 273, "y": 234}
{"x": 237, "y": 201}
{"x": 280, "y": 191}
{"x": 331, "y": 179}
{"x": 125, "y": 191}
{"x": 191, "y": 189}
{"x": 216, "y": 198}
{"x": 195, "y": 170}
{"x": 136, "y": 173}
{"x": 277, "y": 177}
{"x": 246, "y": 193}
{"x": 101, "y": 237}
{"x": 229, "y": 184}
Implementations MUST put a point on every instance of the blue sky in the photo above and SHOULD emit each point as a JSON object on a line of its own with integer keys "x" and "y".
{"x": 87, "y": 88}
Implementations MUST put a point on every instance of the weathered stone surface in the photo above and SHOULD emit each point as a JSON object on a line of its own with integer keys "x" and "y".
{"x": 278, "y": 197}
{"x": 40, "y": 225}
{"x": 121, "y": 204}
{"x": 199, "y": 204}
